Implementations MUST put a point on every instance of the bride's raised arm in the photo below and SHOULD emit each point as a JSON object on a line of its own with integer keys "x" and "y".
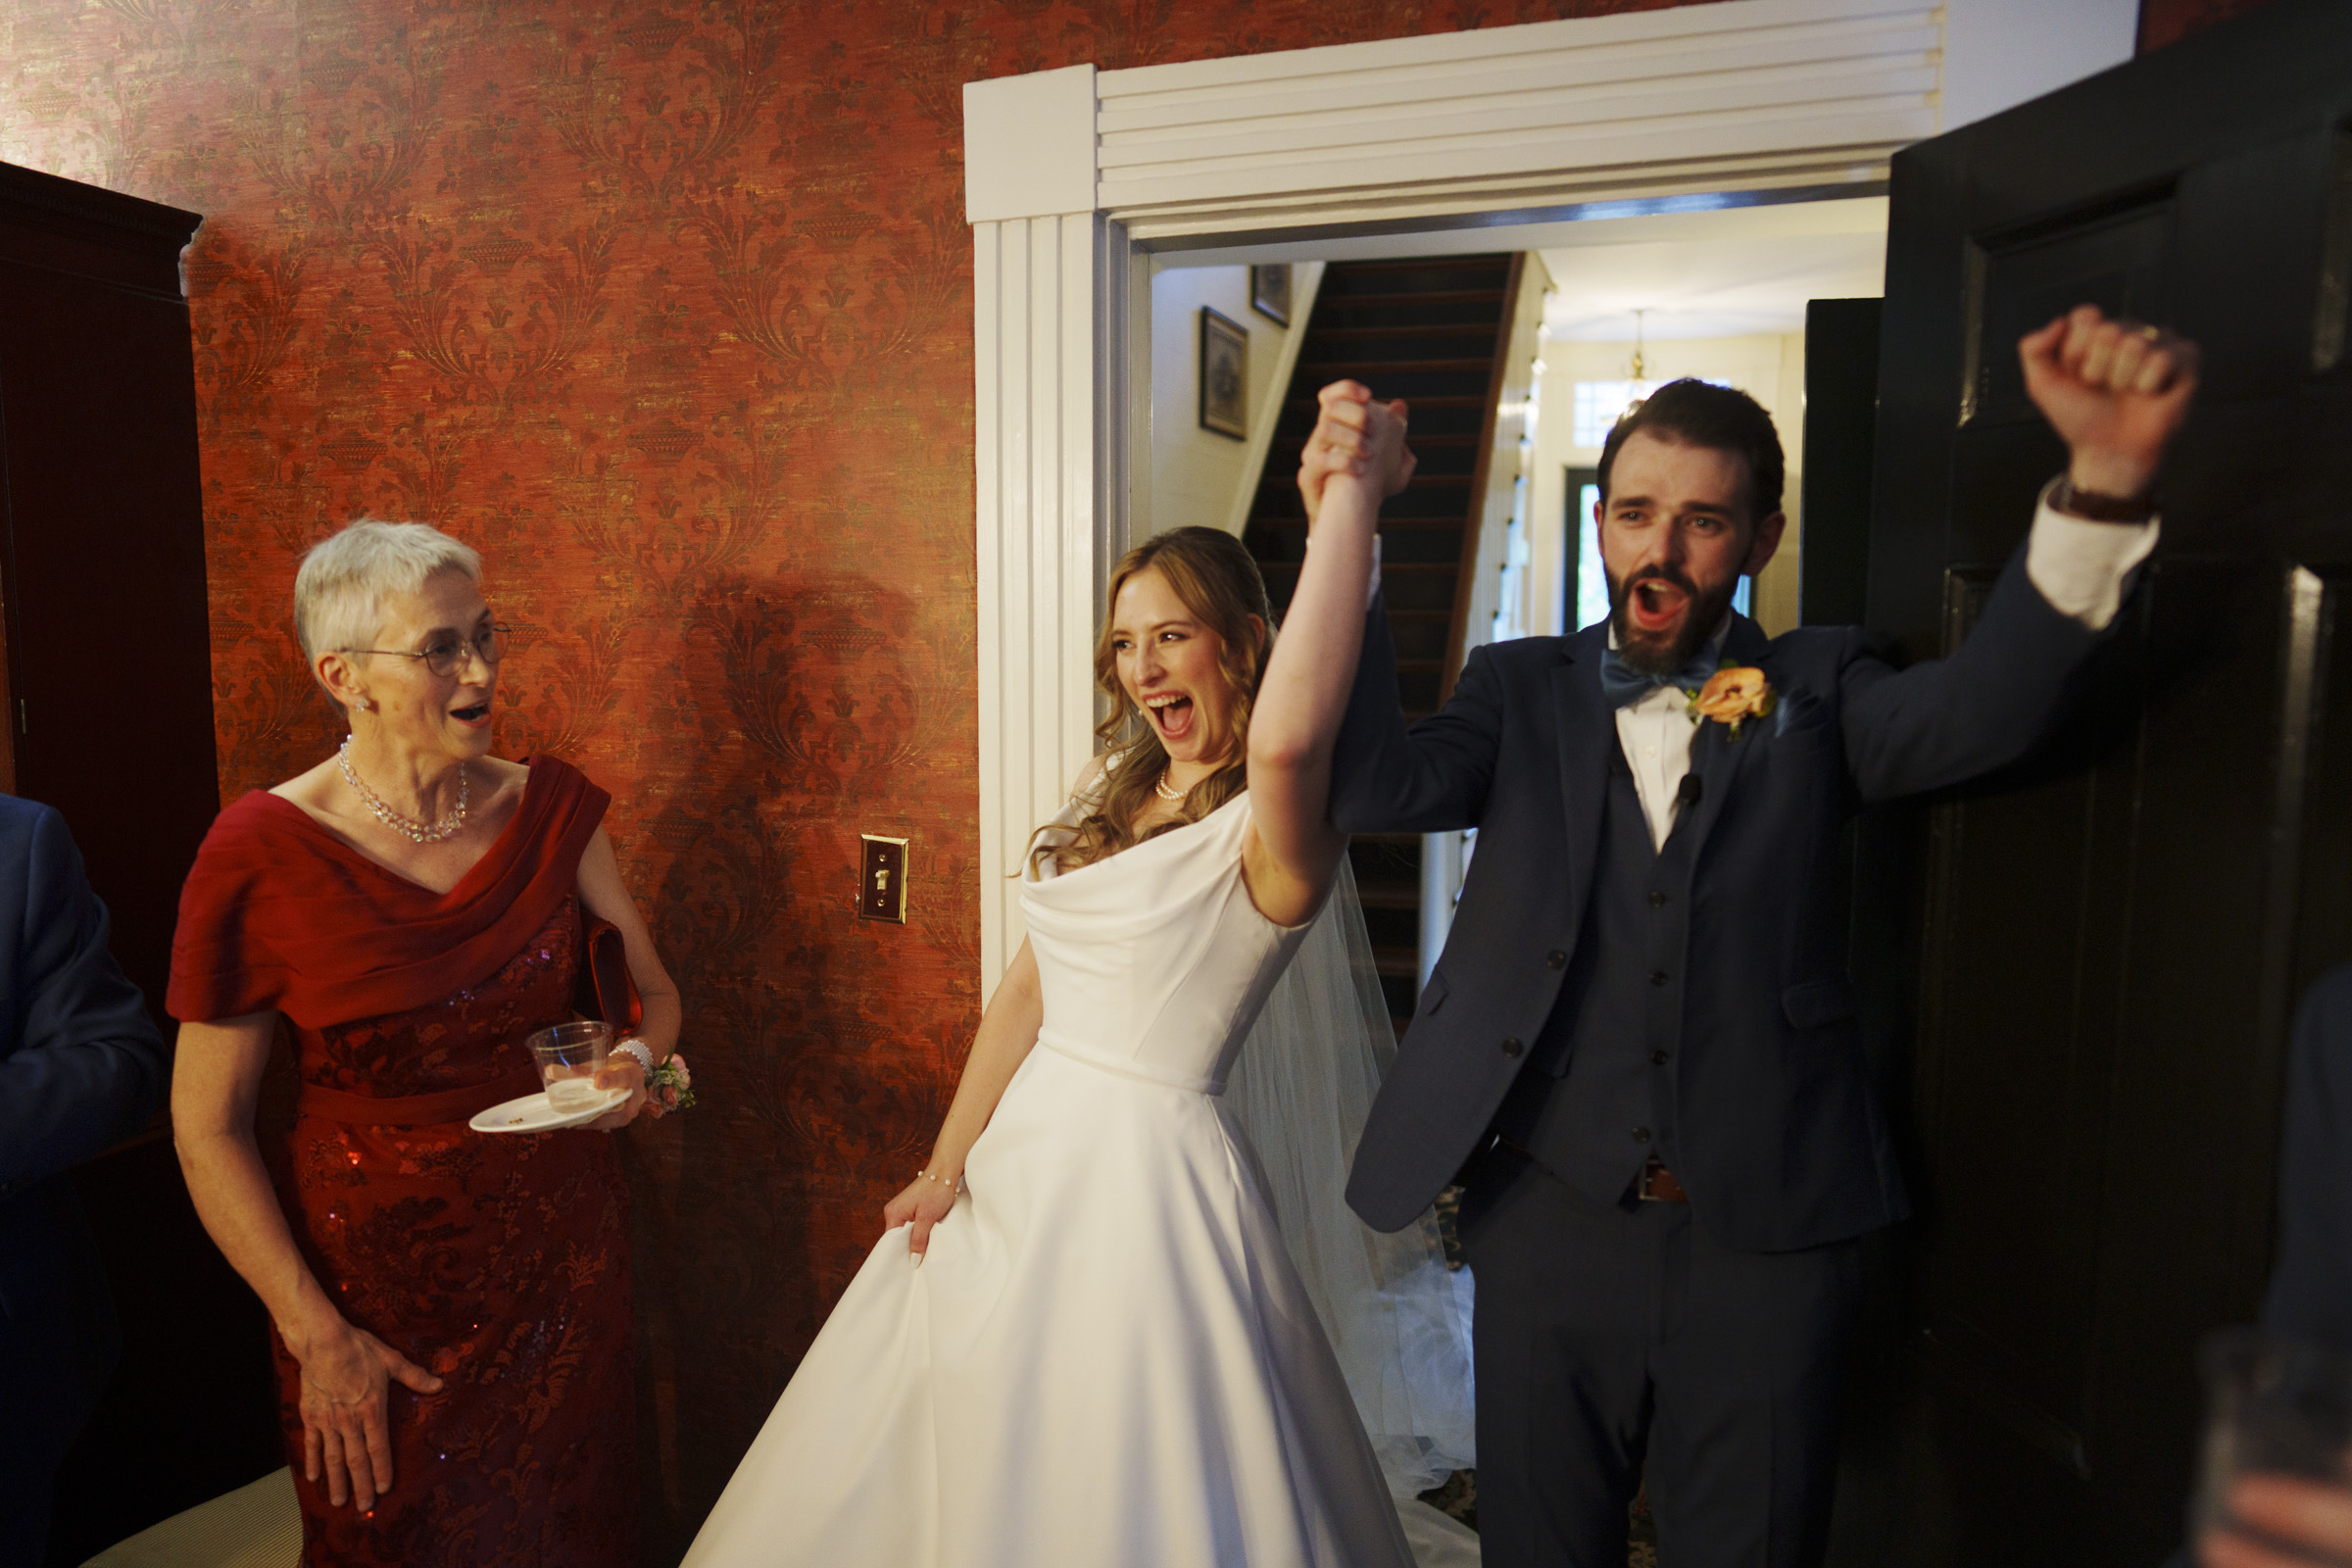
{"x": 1359, "y": 458}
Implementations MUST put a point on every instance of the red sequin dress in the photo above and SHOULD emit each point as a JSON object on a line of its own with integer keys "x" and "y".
{"x": 499, "y": 1262}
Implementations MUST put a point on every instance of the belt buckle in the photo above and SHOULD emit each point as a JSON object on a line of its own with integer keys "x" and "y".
{"x": 1653, "y": 1166}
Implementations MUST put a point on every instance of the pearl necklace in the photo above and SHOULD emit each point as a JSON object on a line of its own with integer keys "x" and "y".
{"x": 420, "y": 832}
{"x": 1159, "y": 787}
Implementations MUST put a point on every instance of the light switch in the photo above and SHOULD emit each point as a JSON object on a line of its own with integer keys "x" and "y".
{"x": 882, "y": 879}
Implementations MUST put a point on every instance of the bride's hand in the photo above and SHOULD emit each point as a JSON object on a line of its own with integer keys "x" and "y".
{"x": 922, "y": 1203}
{"x": 1348, "y": 439}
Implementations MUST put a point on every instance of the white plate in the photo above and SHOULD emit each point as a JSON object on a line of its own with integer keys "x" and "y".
{"x": 534, "y": 1115}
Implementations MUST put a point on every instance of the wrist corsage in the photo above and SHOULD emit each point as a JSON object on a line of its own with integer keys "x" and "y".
{"x": 667, "y": 1085}
{"x": 671, "y": 1084}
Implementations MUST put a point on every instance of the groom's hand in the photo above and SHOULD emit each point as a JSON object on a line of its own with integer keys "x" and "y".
{"x": 2282, "y": 1523}
{"x": 2116, "y": 391}
{"x": 1347, "y": 438}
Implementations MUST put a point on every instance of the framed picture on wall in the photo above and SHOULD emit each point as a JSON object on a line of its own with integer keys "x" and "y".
{"x": 1270, "y": 292}
{"x": 1224, "y": 375}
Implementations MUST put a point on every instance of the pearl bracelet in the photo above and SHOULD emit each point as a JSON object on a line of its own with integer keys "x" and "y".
{"x": 926, "y": 1175}
{"x": 639, "y": 1049}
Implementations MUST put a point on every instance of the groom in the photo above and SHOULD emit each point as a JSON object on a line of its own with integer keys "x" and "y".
{"x": 1639, "y": 1047}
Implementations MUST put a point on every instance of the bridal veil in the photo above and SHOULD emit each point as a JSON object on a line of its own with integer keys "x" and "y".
{"x": 1397, "y": 1318}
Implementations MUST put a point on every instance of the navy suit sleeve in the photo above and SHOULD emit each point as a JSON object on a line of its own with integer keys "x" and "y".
{"x": 2311, "y": 1292}
{"x": 1431, "y": 778}
{"x": 1946, "y": 721}
{"x": 87, "y": 1064}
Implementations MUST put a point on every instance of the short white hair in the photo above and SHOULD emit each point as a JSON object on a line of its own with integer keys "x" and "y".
{"x": 340, "y": 591}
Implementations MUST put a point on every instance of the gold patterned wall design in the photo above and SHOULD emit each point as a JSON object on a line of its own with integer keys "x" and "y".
{"x": 666, "y": 307}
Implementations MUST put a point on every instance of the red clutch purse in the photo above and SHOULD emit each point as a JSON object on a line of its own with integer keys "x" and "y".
{"x": 605, "y": 990}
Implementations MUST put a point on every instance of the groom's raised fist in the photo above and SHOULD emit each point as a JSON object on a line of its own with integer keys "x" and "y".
{"x": 2116, "y": 391}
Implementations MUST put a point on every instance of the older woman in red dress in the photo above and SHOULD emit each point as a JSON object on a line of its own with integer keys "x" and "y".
{"x": 455, "y": 1345}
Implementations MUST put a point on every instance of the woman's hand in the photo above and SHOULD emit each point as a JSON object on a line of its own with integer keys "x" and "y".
{"x": 621, "y": 1070}
{"x": 346, "y": 1429}
{"x": 2290, "y": 1524}
{"x": 923, "y": 1204}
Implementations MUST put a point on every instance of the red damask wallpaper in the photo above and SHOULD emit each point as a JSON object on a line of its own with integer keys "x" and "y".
{"x": 663, "y": 305}
{"x": 2163, "y": 22}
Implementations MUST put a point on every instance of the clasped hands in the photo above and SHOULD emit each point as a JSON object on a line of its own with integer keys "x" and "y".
{"x": 1358, "y": 437}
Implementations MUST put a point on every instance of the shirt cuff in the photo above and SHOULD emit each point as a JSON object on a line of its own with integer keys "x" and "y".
{"x": 2084, "y": 568}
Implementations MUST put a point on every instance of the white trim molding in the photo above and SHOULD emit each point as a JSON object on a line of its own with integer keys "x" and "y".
{"x": 1072, "y": 176}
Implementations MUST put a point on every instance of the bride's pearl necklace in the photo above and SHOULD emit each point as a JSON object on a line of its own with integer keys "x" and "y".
{"x": 420, "y": 832}
{"x": 1159, "y": 787}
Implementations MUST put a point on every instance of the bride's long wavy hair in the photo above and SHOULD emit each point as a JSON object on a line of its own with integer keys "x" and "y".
{"x": 1219, "y": 584}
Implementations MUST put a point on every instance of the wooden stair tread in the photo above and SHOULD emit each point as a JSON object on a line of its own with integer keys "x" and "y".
{"x": 1297, "y": 443}
{"x": 1324, "y": 335}
{"x": 1332, "y": 369}
{"x": 1435, "y": 296}
{"x": 1450, "y": 399}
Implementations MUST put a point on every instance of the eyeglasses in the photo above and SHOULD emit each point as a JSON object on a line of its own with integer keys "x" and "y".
{"x": 445, "y": 655}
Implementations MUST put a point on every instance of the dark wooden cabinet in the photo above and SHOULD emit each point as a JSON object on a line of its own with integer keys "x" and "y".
{"x": 106, "y": 713}
{"x": 109, "y": 656}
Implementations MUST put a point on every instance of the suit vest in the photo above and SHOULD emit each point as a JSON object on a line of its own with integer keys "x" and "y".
{"x": 1596, "y": 1098}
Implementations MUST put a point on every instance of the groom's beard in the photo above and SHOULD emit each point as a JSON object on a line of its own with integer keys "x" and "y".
{"x": 1654, "y": 654}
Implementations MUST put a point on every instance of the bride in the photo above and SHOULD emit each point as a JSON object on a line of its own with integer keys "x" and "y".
{"x": 1082, "y": 1340}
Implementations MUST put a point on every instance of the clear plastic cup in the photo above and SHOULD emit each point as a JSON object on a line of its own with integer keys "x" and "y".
{"x": 2275, "y": 1406}
{"x": 569, "y": 1057}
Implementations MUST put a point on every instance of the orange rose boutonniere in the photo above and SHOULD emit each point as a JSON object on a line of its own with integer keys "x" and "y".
{"x": 1733, "y": 695}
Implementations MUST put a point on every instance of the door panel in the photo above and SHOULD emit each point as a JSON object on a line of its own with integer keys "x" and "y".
{"x": 2106, "y": 945}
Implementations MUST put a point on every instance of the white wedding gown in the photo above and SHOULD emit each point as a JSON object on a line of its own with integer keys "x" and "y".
{"x": 1107, "y": 1360}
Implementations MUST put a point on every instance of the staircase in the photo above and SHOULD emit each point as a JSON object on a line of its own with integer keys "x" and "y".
{"x": 1428, "y": 332}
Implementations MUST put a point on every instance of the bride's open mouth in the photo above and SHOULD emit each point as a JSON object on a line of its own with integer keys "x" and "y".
{"x": 1171, "y": 714}
{"x": 1656, "y": 604}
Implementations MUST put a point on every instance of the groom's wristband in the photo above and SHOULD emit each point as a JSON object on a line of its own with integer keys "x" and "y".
{"x": 2093, "y": 506}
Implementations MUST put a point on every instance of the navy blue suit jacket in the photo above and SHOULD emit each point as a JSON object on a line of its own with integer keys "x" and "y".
{"x": 80, "y": 1066}
{"x": 1780, "y": 1141}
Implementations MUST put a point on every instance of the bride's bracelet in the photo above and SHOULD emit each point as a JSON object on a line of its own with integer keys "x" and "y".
{"x": 950, "y": 1185}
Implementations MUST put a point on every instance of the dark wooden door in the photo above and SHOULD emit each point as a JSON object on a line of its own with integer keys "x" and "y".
{"x": 2104, "y": 949}
{"x": 107, "y": 703}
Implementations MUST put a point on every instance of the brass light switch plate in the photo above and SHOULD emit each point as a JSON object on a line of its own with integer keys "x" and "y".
{"x": 882, "y": 879}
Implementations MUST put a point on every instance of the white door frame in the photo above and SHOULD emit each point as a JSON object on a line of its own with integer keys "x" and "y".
{"x": 1075, "y": 178}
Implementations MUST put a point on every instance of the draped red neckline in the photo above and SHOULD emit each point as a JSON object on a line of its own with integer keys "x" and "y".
{"x": 280, "y": 913}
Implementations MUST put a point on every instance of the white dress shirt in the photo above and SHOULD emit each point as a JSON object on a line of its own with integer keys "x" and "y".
{"x": 2083, "y": 568}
